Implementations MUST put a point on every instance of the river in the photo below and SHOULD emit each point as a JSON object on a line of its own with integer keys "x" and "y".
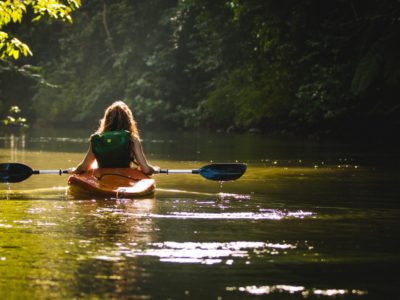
{"x": 308, "y": 220}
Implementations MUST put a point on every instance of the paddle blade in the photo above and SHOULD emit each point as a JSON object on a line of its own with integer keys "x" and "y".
{"x": 14, "y": 172}
{"x": 223, "y": 172}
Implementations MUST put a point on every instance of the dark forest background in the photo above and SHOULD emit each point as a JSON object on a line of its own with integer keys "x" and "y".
{"x": 311, "y": 67}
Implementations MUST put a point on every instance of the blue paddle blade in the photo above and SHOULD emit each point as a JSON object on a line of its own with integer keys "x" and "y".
{"x": 223, "y": 172}
{"x": 14, "y": 172}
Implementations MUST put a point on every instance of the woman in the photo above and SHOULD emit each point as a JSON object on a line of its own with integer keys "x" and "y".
{"x": 116, "y": 143}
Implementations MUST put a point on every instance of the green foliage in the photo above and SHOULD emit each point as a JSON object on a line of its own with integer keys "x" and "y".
{"x": 12, "y": 46}
{"x": 13, "y": 11}
{"x": 242, "y": 100}
{"x": 293, "y": 66}
{"x": 117, "y": 56}
{"x": 14, "y": 118}
{"x": 380, "y": 58}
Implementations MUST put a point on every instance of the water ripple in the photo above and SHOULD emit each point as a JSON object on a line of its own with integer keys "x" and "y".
{"x": 270, "y": 289}
{"x": 224, "y": 196}
{"x": 197, "y": 252}
{"x": 264, "y": 215}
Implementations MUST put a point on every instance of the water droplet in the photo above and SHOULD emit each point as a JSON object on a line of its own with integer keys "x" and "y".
{"x": 8, "y": 190}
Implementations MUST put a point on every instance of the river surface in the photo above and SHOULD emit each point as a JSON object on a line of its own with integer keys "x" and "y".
{"x": 307, "y": 221}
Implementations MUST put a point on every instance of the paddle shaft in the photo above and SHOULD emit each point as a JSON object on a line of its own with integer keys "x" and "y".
{"x": 16, "y": 172}
{"x": 167, "y": 171}
{"x": 217, "y": 172}
{"x": 59, "y": 172}
{"x": 164, "y": 171}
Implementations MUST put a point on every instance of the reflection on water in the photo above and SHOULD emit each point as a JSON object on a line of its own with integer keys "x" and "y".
{"x": 279, "y": 289}
{"x": 267, "y": 215}
{"x": 195, "y": 252}
{"x": 304, "y": 222}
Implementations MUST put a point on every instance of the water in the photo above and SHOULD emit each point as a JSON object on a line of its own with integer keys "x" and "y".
{"x": 306, "y": 221}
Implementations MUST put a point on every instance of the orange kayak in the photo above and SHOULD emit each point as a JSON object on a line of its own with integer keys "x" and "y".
{"x": 119, "y": 183}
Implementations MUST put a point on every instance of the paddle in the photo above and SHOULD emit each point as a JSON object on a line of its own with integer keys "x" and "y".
{"x": 16, "y": 172}
{"x": 218, "y": 172}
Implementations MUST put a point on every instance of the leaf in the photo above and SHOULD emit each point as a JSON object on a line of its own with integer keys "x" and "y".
{"x": 367, "y": 71}
{"x": 37, "y": 18}
{"x": 15, "y": 54}
{"x": 15, "y": 109}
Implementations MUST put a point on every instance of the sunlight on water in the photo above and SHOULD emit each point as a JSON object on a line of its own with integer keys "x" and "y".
{"x": 274, "y": 173}
{"x": 58, "y": 140}
{"x": 271, "y": 289}
{"x": 262, "y": 290}
{"x": 24, "y": 222}
{"x": 36, "y": 210}
{"x": 161, "y": 191}
{"x": 197, "y": 252}
{"x": 46, "y": 223}
{"x": 56, "y": 192}
{"x": 5, "y": 225}
{"x": 268, "y": 214}
{"x": 325, "y": 226}
{"x": 224, "y": 196}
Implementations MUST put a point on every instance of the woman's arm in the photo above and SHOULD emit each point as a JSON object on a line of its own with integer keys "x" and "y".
{"x": 141, "y": 159}
{"x": 86, "y": 162}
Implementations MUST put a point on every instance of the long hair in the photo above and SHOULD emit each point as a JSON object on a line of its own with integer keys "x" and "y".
{"x": 118, "y": 116}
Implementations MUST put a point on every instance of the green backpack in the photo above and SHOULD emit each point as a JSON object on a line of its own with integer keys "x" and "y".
{"x": 112, "y": 149}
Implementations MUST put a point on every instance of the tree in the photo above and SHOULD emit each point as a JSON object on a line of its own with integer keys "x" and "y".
{"x": 13, "y": 11}
{"x": 285, "y": 66}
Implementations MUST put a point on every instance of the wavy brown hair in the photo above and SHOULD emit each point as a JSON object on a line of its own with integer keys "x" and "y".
{"x": 118, "y": 116}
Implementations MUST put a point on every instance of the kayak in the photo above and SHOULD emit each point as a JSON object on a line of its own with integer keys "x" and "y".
{"x": 112, "y": 182}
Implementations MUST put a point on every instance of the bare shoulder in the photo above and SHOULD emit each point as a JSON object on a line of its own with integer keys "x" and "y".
{"x": 136, "y": 141}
